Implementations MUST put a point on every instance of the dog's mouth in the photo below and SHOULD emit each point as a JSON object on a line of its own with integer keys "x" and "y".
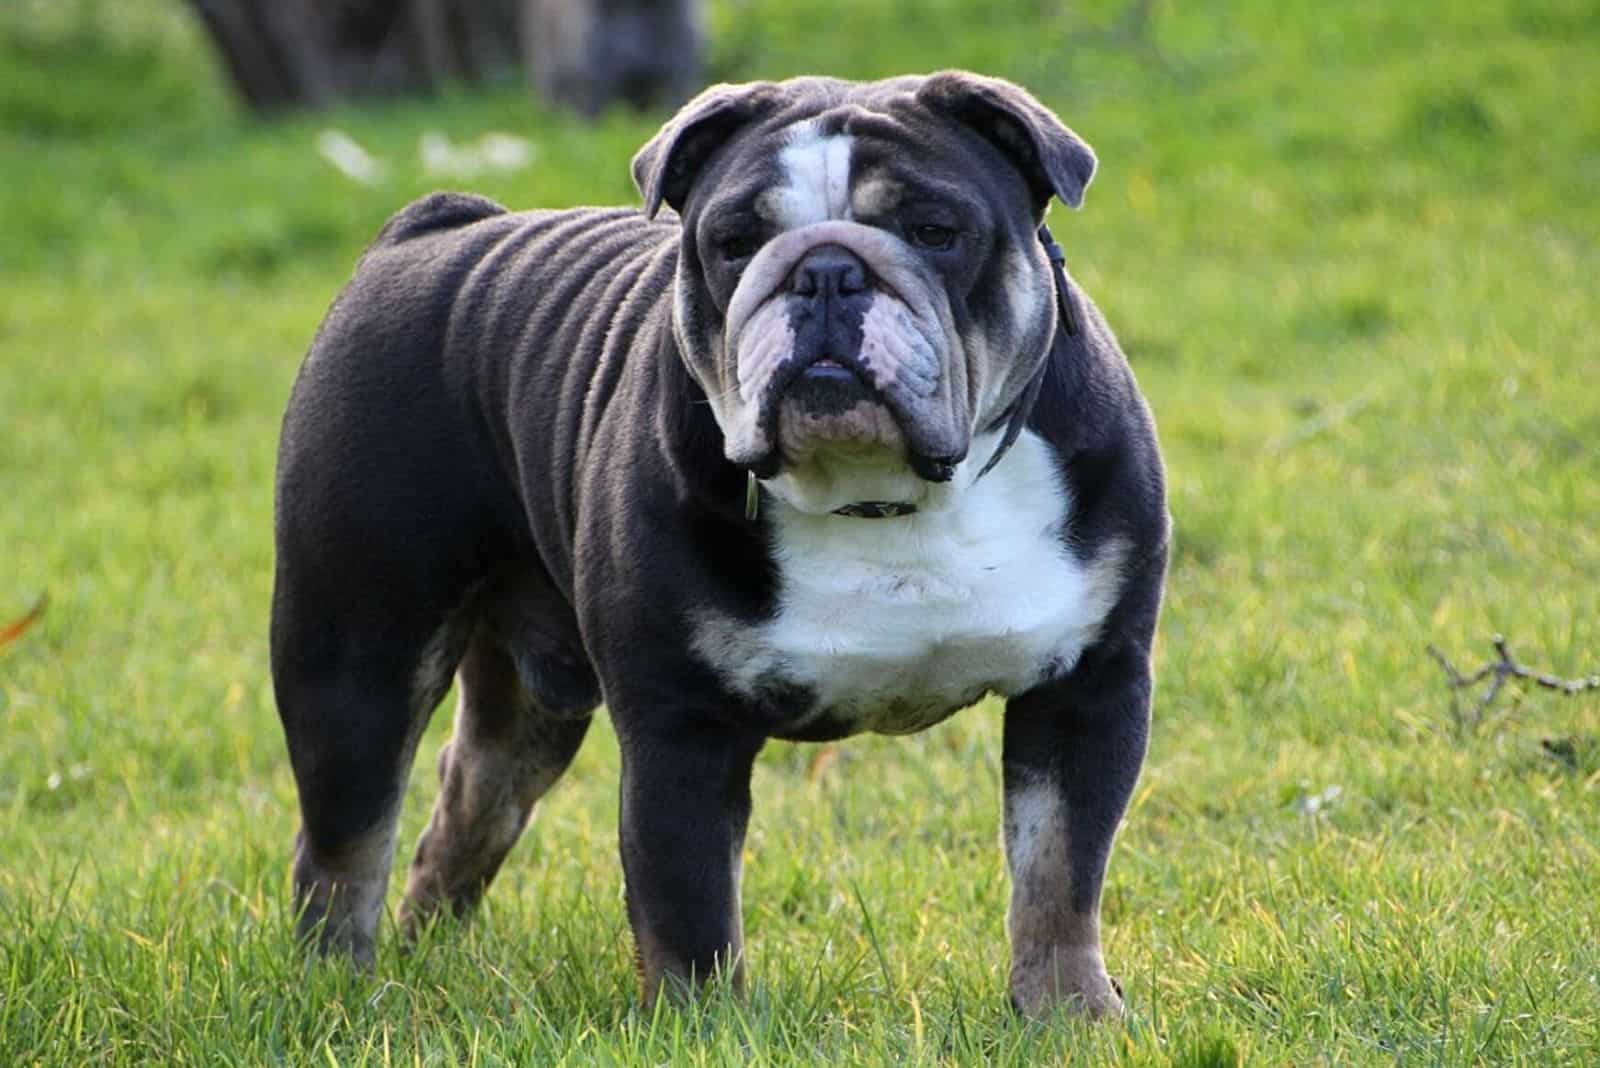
{"x": 829, "y": 369}
{"x": 829, "y": 408}
{"x": 823, "y": 386}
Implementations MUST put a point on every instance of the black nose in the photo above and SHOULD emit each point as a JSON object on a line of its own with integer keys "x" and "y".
{"x": 828, "y": 270}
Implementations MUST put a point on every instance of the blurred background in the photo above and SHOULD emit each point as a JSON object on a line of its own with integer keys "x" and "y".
{"x": 1350, "y": 249}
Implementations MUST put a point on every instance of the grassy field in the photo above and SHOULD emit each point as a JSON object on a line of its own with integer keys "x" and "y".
{"x": 1353, "y": 257}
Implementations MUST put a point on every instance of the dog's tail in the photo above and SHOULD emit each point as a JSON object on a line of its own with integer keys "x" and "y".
{"x": 435, "y": 212}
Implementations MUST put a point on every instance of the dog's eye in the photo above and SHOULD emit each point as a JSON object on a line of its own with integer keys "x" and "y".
{"x": 738, "y": 247}
{"x": 931, "y": 236}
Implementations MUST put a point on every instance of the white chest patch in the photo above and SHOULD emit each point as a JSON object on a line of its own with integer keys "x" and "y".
{"x": 816, "y": 184}
{"x": 894, "y": 624}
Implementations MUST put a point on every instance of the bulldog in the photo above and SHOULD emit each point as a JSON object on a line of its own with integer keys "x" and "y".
{"x": 834, "y": 446}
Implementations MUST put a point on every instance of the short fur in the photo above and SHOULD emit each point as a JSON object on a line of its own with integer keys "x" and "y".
{"x": 501, "y": 459}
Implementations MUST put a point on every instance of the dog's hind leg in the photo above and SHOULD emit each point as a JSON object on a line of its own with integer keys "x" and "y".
{"x": 352, "y": 718}
{"x": 508, "y": 748}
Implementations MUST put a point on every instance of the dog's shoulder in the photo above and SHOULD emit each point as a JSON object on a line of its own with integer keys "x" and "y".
{"x": 1092, "y": 414}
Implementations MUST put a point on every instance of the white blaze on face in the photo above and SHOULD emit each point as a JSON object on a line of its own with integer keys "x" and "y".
{"x": 816, "y": 188}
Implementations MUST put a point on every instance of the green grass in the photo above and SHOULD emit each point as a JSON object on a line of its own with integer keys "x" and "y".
{"x": 1352, "y": 253}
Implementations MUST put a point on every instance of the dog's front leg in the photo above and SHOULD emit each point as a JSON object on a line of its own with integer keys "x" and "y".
{"x": 1072, "y": 753}
{"x": 685, "y": 806}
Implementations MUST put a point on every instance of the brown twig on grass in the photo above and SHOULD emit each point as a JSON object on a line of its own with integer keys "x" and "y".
{"x": 1498, "y": 671}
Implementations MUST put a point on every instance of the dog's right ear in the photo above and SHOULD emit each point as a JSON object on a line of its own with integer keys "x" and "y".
{"x": 666, "y": 166}
{"x": 1053, "y": 158}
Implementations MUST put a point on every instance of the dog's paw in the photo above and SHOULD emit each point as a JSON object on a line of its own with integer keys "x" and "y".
{"x": 1069, "y": 977}
{"x": 334, "y": 937}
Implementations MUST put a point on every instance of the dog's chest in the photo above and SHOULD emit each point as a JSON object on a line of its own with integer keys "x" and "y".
{"x": 894, "y": 624}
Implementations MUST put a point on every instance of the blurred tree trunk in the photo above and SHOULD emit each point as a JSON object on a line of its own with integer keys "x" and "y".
{"x": 590, "y": 54}
{"x": 286, "y": 54}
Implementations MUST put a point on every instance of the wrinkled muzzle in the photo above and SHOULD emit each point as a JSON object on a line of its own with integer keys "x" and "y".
{"x": 838, "y": 335}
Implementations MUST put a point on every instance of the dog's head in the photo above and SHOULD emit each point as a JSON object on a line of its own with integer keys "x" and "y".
{"x": 860, "y": 292}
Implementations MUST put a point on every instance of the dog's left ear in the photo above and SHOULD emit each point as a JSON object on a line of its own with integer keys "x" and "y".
{"x": 1055, "y": 160}
{"x": 666, "y": 166}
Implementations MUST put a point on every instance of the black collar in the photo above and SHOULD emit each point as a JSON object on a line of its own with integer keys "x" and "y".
{"x": 876, "y": 509}
{"x": 1066, "y": 323}
{"x": 1016, "y": 417}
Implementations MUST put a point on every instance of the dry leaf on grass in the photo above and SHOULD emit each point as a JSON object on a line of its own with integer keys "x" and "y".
{"x": 17, "y": 627}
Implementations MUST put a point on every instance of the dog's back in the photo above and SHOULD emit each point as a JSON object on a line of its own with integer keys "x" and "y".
{"x": 462, "y": 321}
